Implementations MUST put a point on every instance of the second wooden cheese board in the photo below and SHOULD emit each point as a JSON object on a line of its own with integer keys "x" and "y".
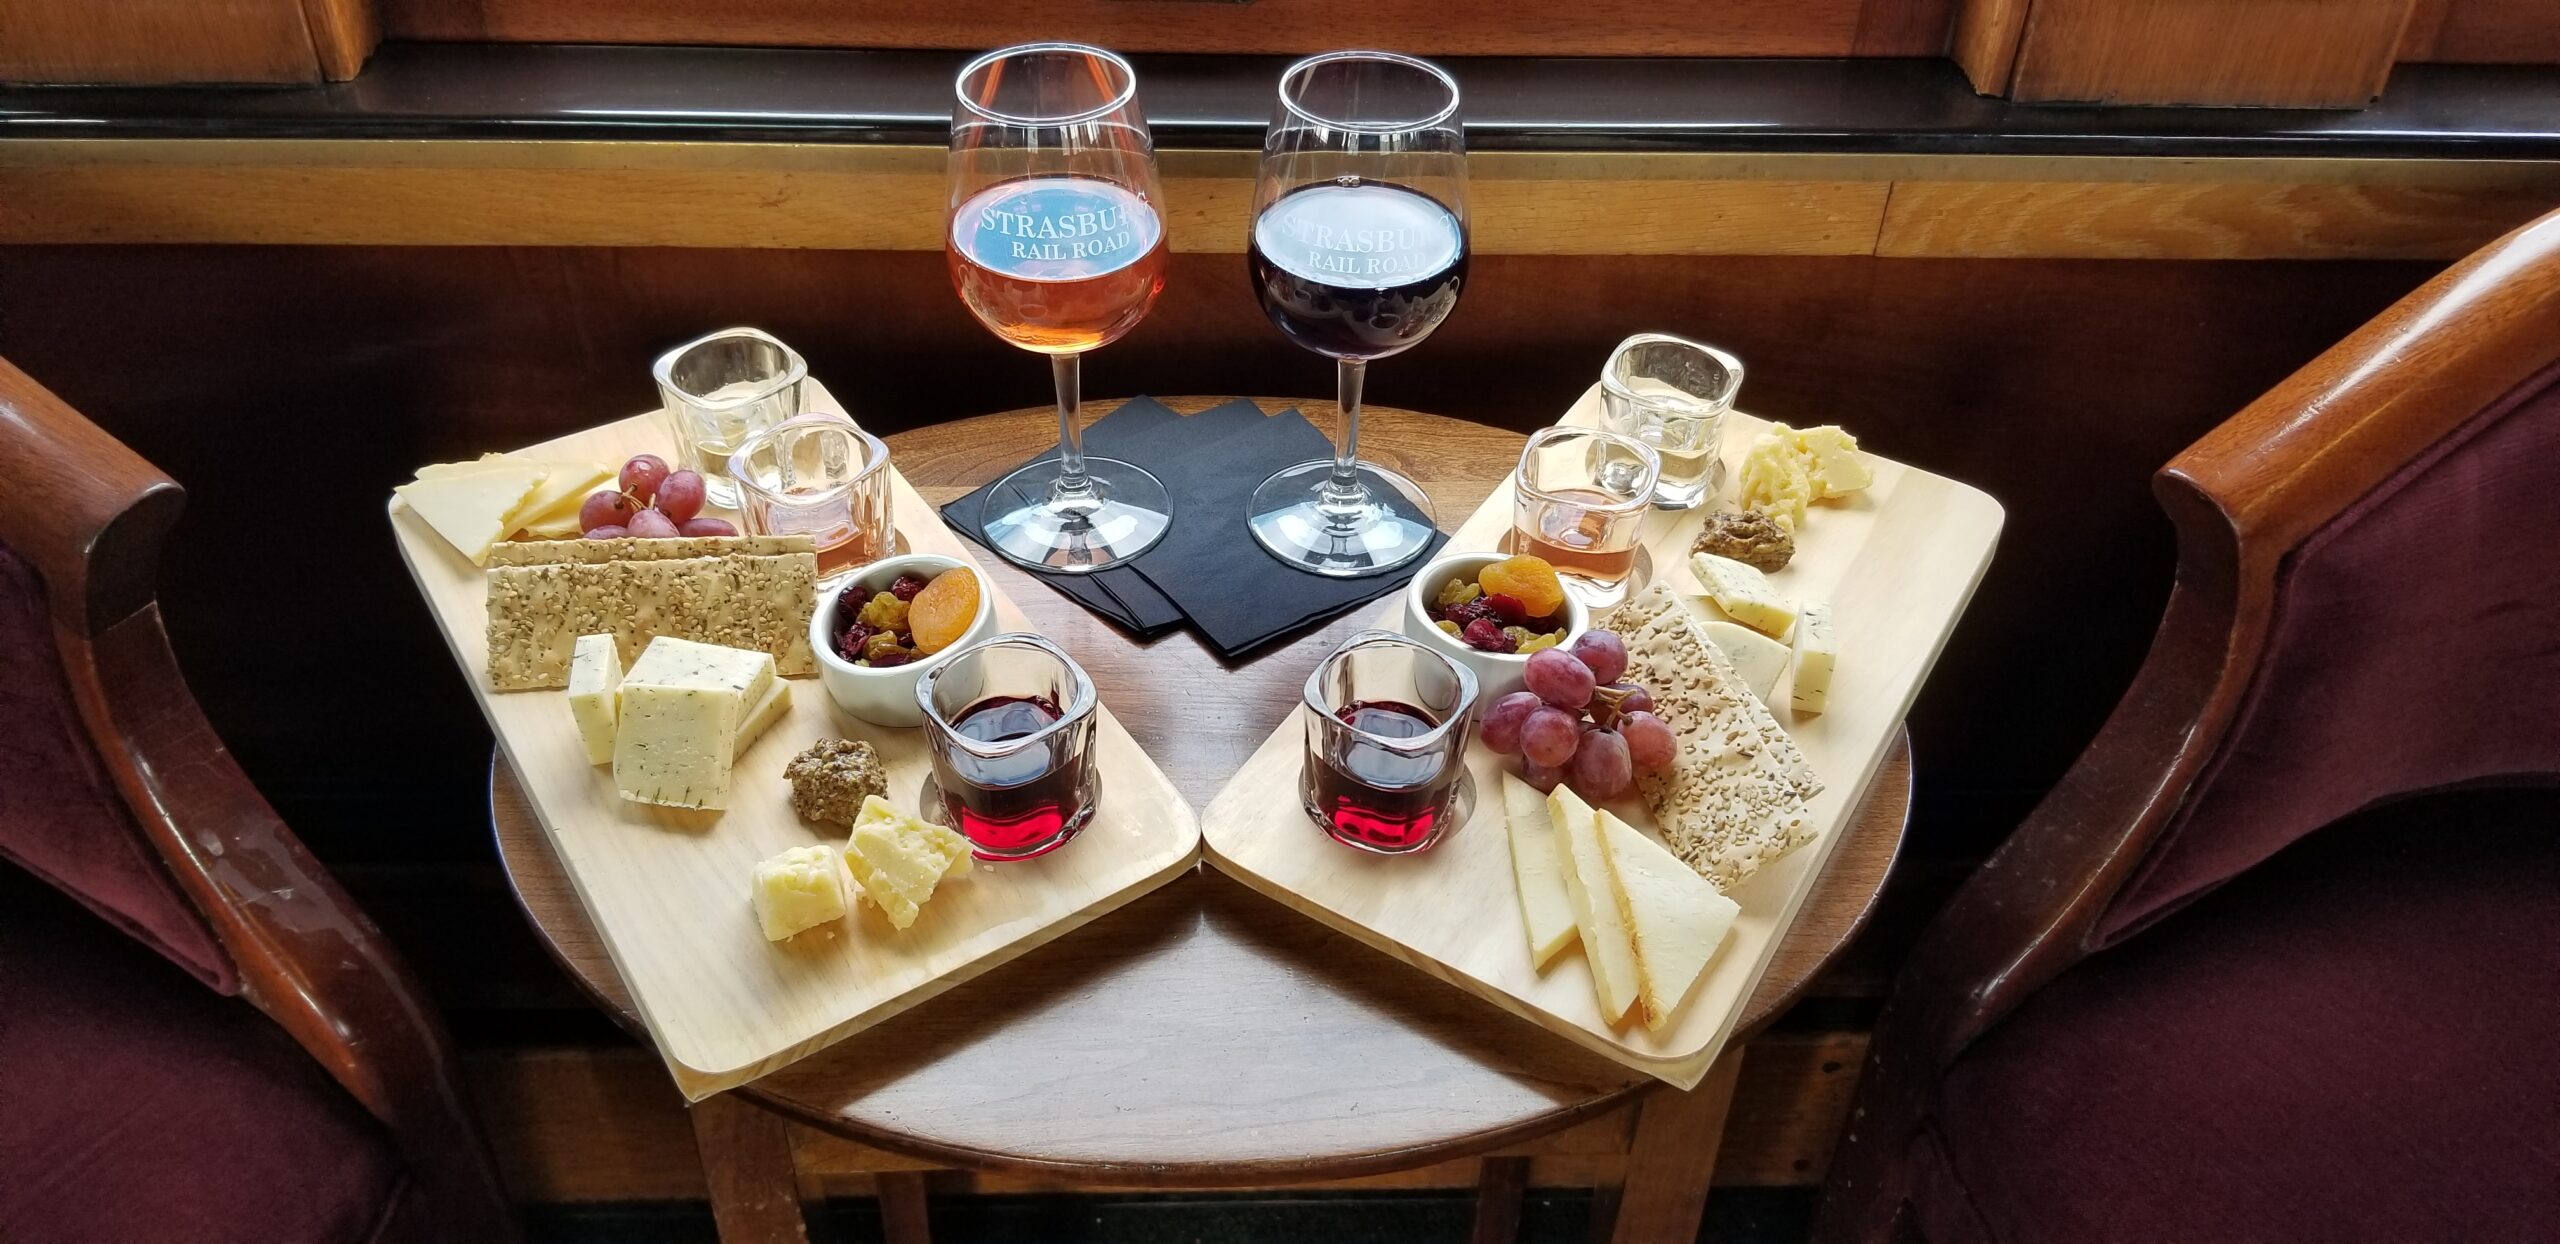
{"x": 1898, "y": 562}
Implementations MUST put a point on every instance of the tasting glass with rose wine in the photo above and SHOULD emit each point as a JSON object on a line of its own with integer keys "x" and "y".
{"x": 1056, "y": 246}
{"x": 1357, "y": 250}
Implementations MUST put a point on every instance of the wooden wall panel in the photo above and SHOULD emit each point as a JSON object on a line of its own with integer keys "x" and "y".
{"x": 1423, "y": 27}
{"x": 2260, "y": 53}
{"x": 288, "y": 388}
{"x": 165, "y": 41}
{"x": 2484, "y": 32}
{"x": 841, "y": 197}
{"x": 2184, "y": 220}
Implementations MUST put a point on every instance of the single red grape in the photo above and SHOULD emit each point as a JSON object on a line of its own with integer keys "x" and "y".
{"x": 653, "y": 525}
{"x": 1500, "y": 728}
{"x": 1549, "y": 735}
{"x": 680, "y": 495}
{"x": 706, "y": 527}
{"x": 605, "y": 509}
{"x": 1601, "y": 770}
{"x": 1603, "y": 651}
{"x": 1559, "y": 679}
{"x": 1650, "y": 743}
{"x": 642, "y": 475}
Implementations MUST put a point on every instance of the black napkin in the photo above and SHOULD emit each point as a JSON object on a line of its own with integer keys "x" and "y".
{"x": 1237, "y": 596}
{"x": 1208, "y": 570}
{"x": 1149, "y": 433}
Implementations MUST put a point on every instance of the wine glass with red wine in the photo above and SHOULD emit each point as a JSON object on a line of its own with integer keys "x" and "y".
{"x": 1056, "y": 246}
{"x": 1358, "y": 247}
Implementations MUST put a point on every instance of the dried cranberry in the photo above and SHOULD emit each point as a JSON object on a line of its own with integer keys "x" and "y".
{"x": 1486, "y": 635}
{"x": 849, "y": 645}
{"x": 907, "y": 586}
{"x": 1506, "y": 609}
{"x": 895, "y": 656}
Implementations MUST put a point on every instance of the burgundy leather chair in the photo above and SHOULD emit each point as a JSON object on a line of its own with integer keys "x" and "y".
{"x": 201, "y": 1038}
{"x": 2279, "y": 958}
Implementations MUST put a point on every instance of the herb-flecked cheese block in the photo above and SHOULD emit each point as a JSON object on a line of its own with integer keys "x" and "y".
{"x": 675, "y": 744}
{"x": 1734, "y": 797}
{"x": 757, "y": 601}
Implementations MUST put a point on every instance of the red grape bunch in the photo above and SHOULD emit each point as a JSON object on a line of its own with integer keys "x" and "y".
{"x": 653, "y": 502}
{"x": 1577, "y": 724}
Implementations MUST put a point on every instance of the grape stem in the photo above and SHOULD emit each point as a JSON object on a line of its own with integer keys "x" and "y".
{"x": 1604, "y": 707}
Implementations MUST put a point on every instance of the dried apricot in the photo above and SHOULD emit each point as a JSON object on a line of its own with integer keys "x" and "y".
{"x": 1529, "y": 580}
{"x": 940, "y": 614}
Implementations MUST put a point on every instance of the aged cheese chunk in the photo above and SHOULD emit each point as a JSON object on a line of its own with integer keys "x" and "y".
{"x": 1734, "y": 796}
{"x": 1597, "y": 915}
{"x": 1538, "y": 871}
{"x": 1831, "y": 458}
{"x": 1774, "y": 480}
{"x": 801, "y": 889}
{"x": 1816, "y": 650}
{"x": 1675, "y": 917}
{"x": 768, "y": 710}
{"x": 760, "y": 601}
{"x": 675, "y": 744}
{"x": 900, "y": 859}
{"x": 1744, "y": 594}
{"x": 470, "y": 508}
{"x": 1758, "y": 658}
{"x": 595, "y": 683}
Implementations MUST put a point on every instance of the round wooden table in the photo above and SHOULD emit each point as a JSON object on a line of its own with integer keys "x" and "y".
{"x": 1204, "y": 1036}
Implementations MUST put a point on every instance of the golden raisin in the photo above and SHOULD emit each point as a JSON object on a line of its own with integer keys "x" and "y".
{"x": 1529, "y": 580}
{"x": 940, "y": 614}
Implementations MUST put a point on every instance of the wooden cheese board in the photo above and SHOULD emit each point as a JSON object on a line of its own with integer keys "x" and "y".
{"x": 1898, "y": 562}
{"x": 668, "y": 889}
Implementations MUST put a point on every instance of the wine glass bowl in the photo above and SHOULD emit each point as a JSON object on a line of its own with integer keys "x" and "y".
{"x": 1358, "y": 250}
{"x": 1057, "y": 247}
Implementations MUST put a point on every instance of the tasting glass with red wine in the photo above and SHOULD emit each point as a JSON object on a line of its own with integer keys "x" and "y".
{"x": 1056, "y": 246}
{"x": 1387, "y": 727}
{"x": 1357, "y": 249}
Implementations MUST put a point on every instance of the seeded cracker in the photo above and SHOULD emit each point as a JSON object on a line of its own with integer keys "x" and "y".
{"x": 759, "y": 601}
{"x": 1734, "y": 797}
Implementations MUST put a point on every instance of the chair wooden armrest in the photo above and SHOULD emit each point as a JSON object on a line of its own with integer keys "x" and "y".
{"x": 2243, "y": 499}
{"x": 90, "y": 516}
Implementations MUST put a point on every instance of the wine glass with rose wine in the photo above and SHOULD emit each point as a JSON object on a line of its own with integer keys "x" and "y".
{"x": 1056, "y": 246}
{"x": 1358, "y": 247}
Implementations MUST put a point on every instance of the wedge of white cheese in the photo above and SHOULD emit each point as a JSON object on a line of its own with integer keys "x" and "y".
{"x": 1537, "y": 870}
{"x": 1758, "y": 658}
{"x": 1597, "y": 915}
{"x": 1816, "y": 651}
{"x": 470, "y": 508}
{"x": 1674, "y": 917}
{"x": 1744, "y": 594}
{"x": 595, "y": 685}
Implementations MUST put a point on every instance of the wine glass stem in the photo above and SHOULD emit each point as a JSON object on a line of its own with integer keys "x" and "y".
{"x": 1343, "y": 486}
{"x": 1067, "y": 370}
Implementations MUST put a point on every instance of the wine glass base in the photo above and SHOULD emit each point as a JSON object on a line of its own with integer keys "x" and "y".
{"x": 1297, "y": 521}
{"x": 1123, "y": 515}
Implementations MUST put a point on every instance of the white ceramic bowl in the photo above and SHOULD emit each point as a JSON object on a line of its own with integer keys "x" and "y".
{"x": 1497, "y": 674}
{"x": 887, "y": 697}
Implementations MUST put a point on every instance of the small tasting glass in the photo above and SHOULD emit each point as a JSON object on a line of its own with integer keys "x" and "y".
{"x": 1387, "y": 728}
{"x": 821, "y": 477}
{"x": 1010, "y": 724}
{"x": 1672, "y": 394}
{"x": 1579, "y": 501}
{"x": 719, "y": 391}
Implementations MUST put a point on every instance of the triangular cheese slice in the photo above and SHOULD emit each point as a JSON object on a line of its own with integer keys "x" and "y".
{"x": 470, "y": 510}
{"x": 1537, "y": 870}
{"x": 1597, "y": 914}
{"x": 559, "y": 495}
{"x": 1676, "y": 917}
{"x": 438, "y": 470}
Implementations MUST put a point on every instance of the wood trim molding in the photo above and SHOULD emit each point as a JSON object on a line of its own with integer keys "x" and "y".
{"x": 161, "y": 42}
{"x": 834, "y": 196}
